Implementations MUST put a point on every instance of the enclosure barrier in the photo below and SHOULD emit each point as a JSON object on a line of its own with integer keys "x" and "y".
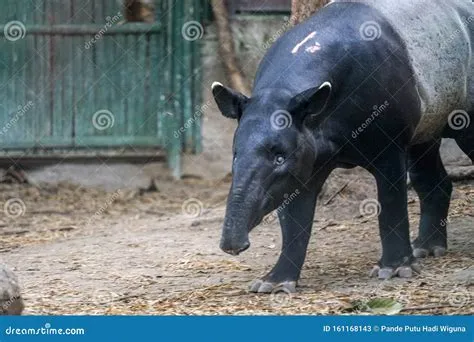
{"x": 77, "y": 79}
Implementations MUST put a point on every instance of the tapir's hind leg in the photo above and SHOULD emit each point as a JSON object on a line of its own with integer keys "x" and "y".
{"x": 431, "y": 182}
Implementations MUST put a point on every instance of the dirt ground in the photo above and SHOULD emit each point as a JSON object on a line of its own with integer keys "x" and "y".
{"x": 85, "y": 251}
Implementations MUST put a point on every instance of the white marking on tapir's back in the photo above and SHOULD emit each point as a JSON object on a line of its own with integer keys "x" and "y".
{"x": 304, "y": 41}
{"x": 313, "y": 48}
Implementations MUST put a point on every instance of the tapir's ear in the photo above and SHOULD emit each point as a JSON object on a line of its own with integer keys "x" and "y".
{"x": 230, "y": 102}
{"x": 311, "y": 102}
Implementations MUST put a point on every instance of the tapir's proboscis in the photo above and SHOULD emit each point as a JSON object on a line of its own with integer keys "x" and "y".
{"x": 369, "y": 83}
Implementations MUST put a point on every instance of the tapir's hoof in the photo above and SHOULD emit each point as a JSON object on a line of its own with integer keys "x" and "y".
{"x": 435, "y": 251}
{"x": 261, "y": 286}
{"x": 385, "y": 273}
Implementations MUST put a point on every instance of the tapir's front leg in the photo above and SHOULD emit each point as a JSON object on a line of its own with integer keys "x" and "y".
{"x": 390, "y": 173}
{"x": 296, "y": 220}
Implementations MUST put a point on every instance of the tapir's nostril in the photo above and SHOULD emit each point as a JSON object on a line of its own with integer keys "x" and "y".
{"x": 236, "y": 250}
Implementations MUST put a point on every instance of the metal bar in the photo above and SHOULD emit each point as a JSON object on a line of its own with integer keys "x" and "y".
{"x": 72, "y": 30}
{"x": 173, "y": 122}
{"x": 197, "y": 83}
{"x": 91, "y": 141}
{"x": 80, "y": 156}
{"x": 186, "y": 15}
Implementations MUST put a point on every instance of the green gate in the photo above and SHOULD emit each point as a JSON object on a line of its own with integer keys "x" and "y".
{"x": 77, "y": 78}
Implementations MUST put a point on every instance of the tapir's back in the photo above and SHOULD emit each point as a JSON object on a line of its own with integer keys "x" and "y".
{"x": 439, "y": 36}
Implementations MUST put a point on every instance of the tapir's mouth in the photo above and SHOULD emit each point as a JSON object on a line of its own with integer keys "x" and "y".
{"x": 236, "y": 252}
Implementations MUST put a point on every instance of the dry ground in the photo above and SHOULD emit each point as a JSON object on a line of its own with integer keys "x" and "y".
{"x": 83, "y": 251}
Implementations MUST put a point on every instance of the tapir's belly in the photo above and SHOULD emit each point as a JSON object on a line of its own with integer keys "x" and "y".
{"x": 439, "y": 38}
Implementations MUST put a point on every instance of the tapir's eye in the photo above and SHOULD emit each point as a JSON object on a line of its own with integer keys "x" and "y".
{"x": 279, "y": 159}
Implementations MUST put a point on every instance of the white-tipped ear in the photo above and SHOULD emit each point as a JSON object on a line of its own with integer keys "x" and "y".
{"x": 311, "y": 103}
{"x": 230, "y": 102}
{"x": 216, "y": 84}
{"x": 326, "y": 84}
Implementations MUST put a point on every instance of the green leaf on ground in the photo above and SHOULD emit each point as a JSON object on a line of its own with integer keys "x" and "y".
{"x": 377, "y": 306}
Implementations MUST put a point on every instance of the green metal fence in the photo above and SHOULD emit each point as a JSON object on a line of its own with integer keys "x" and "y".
{"x": 77, "y": 78}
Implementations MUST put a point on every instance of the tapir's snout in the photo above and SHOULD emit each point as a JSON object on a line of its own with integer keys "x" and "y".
{"x": 234, "y": 248}
{"x": 246, "y": 204}
{"x": 234, "y": 240}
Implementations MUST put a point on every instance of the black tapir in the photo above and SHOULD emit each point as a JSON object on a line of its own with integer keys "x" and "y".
{"x": 370, "y": 83}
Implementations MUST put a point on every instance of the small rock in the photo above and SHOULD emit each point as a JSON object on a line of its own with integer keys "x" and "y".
{"x": 11, "y": 302}
{"x": 464, "y": 276}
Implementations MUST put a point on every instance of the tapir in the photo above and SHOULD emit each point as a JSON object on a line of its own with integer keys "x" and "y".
{"x": 370, "y": 83}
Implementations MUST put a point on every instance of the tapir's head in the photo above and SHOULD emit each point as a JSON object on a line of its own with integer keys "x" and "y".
{"x": 274, "y": 153}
